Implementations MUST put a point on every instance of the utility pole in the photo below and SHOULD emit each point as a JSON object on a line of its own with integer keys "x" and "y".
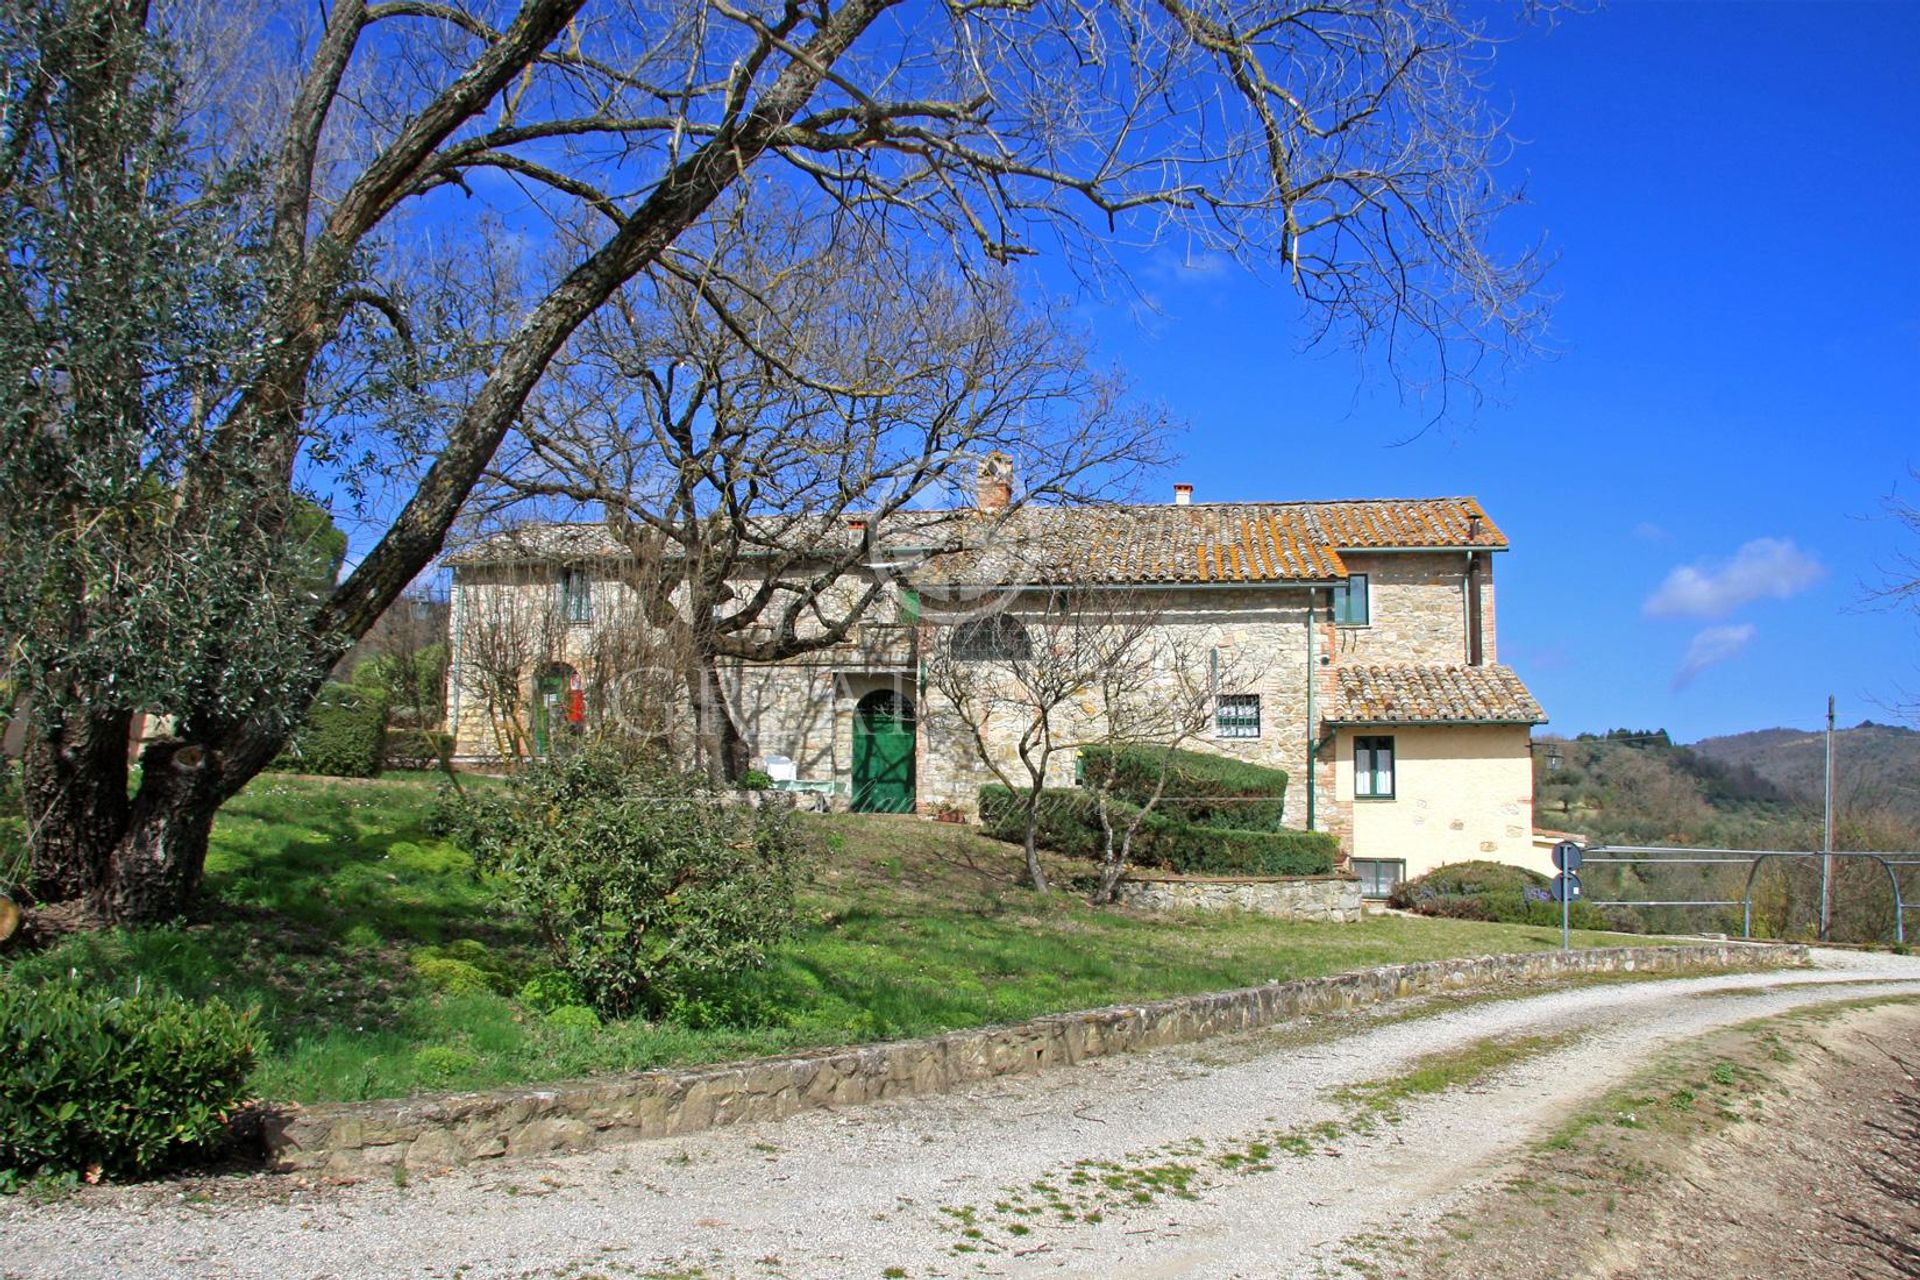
{"x": 1826, "y": 837}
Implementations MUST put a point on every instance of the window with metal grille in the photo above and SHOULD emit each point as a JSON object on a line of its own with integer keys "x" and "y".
{"x": 1237, "y": 715}
{"x": 997, "y": 637}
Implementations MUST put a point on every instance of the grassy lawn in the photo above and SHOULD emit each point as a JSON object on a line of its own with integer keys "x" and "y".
{"x": 325, "y": 896}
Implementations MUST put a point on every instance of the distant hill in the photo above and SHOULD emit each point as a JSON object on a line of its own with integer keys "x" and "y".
{"x": 1759, "y": 790}
{"x": 1877, "y": 763}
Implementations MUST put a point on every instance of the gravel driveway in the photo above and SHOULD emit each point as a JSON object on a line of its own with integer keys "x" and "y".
{"x": 911, "y": 1188}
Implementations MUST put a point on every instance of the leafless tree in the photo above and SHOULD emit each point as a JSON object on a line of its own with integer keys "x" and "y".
{"x": 1012, "y": 677}
{"x": 636, "y": 670}
{"x": 374, "y": 163}
{"x": 765, "y": 419}
{"x": 1157, "y": 689}
{"x": 510, "y": 629}
{"x": 1079, "y": 667}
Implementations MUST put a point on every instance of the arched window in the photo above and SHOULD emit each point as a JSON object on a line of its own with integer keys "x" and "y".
{"x": 999, "y": 637}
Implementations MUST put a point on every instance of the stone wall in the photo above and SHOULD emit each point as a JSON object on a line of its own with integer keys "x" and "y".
{"x": 1418, "y": 609}
{"x": 438, "y": 1132}
{"x": 1263, "y": 644}
{"x": 1321, "y": 899}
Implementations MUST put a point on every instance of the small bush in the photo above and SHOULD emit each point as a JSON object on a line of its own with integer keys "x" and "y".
{"x": 1492, "y": 891}
{"x": 1202, "y": 789}
{"x": 121, "y": 1085}
{"x": 442, "y": 1064}
{"x": 1070, "y": 824}
{"x": 756, "y": 780}
{"x": 646, "y": 887}
{"x": 549, "y": 989}
{"x": 451, "y": 977}
{"x": 344, "y": 736}
{"x": 573, "y": 1017}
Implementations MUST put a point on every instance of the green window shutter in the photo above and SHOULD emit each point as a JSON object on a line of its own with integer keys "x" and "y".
{"x": 1351, "y": 606}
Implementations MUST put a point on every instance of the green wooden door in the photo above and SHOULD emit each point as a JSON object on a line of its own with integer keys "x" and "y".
{"x": 550, "y": 694}
{"x": 883, "y": 754}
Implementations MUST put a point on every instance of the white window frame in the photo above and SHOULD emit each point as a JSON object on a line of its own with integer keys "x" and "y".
{"x": 1367, "y": 782}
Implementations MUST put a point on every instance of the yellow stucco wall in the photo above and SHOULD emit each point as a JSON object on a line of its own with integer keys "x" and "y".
{"x": 1460, "y": 793}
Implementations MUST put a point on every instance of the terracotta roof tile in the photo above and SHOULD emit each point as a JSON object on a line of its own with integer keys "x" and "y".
{"x": 1416, "y": 694}
{"x": 1153, "y": 543}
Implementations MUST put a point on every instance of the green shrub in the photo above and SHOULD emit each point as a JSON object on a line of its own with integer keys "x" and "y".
{"x": 573, "y": 1017}
{"x": 549, "y": 989}
{"x": 645, "y": 885}
{"x": 344, "y": 736}
{"x": 1498, "y": 892}
{"x": 463, "y": 967}
{"x": 1070, "y": 824}
{"x": 127, "y": 1085}
{"x": 417, "y": 748}
{"x": 451, "y": 977}
{"x": 756, "y": 780}
{"x": 442, "y": 1064}
{"x": 1216, "y": 851}
{"x": 1466, "y": 878}
{"x": 1202, "y": 789}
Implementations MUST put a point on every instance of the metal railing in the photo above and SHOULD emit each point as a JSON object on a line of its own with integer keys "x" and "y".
{"x": 1668, "y": 855}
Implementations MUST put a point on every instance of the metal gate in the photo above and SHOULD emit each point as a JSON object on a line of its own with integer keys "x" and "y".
{"x": 1752, "y": 859}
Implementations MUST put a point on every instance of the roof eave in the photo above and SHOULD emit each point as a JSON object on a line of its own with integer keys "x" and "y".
{"x": 1490, "y": 722}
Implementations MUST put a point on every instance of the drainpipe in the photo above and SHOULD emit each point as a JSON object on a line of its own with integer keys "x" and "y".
{"x": 1476, "y": 651}
{"x": 1311, "y": 664}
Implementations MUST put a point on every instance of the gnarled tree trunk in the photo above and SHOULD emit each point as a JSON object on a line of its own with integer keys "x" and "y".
{"x": 74, "y": 789}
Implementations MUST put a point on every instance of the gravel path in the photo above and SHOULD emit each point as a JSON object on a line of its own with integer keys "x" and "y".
{"x": 909, "y": 1189}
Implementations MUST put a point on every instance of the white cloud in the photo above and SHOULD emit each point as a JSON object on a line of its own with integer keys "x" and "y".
{"x": 1191, "y": 268}
{"x": 1714, "y": 644}
{"x": 1766, "y": 568}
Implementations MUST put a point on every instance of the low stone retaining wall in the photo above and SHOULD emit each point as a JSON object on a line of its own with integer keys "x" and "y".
{"x": 440, "y": 1131}
{"x": 1321, "y": 899}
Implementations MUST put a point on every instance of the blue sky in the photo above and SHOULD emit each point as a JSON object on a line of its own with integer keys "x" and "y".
{"x": 1695, "y": 485}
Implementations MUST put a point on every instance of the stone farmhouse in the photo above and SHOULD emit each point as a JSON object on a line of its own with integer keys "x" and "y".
{"x": 1360, "y": 637}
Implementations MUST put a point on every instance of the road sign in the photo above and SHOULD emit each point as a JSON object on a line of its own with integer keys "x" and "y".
{"x": 1567, "y": 856}
{"x": 1565, "y": 888}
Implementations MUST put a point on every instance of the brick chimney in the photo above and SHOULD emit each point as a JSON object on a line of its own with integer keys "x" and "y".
{"x": 1182, "y": 495}
{"x": 994, "y": 488}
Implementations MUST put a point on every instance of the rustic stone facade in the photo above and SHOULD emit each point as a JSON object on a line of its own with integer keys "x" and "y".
{"x": 438, "y": 1132}
{"x": 1310, "y": 899}
{"x": 1266, "y": 625}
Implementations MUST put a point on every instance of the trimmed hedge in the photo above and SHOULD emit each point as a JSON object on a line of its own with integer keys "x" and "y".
{"x": 1070, "y": 824}
{"x": 345, "y": 735}
{"x": 1493, "y": 891}
{"x": 104, "y": 1085}
{"x": 1202, "y": 790}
